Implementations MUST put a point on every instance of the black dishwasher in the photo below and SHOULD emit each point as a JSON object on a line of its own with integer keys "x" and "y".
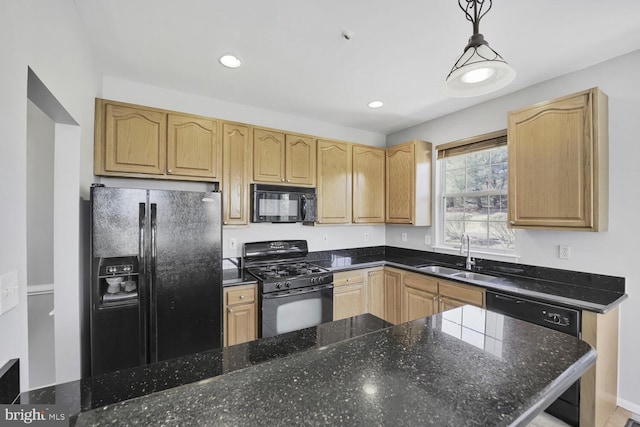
{"x": 567, "y": 320}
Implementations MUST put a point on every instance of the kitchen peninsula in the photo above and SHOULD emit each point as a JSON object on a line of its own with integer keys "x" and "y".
{"x": 466, "y": 366}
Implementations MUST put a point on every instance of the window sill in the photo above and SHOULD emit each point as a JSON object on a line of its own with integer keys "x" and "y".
{"x": 496, "y": 256}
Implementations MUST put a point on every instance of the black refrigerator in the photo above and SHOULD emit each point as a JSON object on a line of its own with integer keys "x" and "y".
{"x": 156, "y": 285}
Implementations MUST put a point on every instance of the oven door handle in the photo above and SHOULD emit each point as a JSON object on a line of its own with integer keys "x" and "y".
{"x": 303, "y": 207}
{"x": 301, "y": 291}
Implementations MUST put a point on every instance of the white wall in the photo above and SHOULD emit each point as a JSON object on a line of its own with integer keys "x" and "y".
{"x": 337, "y": 236}
{"x": 613, "y": 252}
{"x": 46, "y": 36}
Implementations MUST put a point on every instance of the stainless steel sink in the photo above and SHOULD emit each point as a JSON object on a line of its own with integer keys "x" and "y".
{"x": 473, "y": 276}
{"x": 438, "y": 269}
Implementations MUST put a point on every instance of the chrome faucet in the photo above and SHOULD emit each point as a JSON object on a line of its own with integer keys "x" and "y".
{"x": 470, "y": 261}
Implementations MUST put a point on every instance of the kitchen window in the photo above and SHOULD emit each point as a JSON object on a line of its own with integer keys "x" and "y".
{"x": 473, "y": 189}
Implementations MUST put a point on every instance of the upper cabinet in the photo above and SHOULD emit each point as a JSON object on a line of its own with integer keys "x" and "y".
{"x": 408, "y": 192}
{"x": 368, "y": 184}
{"x": 283, "y": 159}
{"x": 558, "y": 163}
{"x": 145, "y": 142}
{"x": 193, "y": 148}
{"x": 334, "y": 182}
{"x": 236, "y": 164}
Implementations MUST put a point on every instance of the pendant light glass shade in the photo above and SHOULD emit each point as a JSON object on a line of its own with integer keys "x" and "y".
{"x": 480, "y": 69}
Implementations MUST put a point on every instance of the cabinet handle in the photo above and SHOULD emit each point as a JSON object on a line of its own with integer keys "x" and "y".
{"x": 225, "y": 222}
{"x": 241, "y": 296}
{"x": 288, "y": 180}
{"x": 282, "y": 180}
{"x": 169, "y": 171}
{"x": 230, "y": 310}
{"x": 348, "y": 279}
{"x": 512, "y": 222}
{"x": 435, "y": 299}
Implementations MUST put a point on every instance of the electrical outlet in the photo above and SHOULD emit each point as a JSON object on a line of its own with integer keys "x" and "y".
{"x": 366, "y": 237}
{"x": 403, "y": 236}
{"x": 233, "y": 243}
{"x": 564, "y": 251}
{"x": 325, "y": 239}
{"x": 427, "y": 239}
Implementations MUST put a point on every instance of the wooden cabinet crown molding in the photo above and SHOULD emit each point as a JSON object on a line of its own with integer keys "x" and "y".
{"x": 558, "y": 163}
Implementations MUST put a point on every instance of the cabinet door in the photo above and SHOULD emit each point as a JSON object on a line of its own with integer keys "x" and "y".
{"x": 235, "y": 182}
{"x": 240, "y": 314}
{"x": 334, "y": 182}
{"x": 392, "y": 283}
{"x": 551, "y": 164}
{"x": 349, "y": 301}
{"x": 419, "y": 296}
{"x": 465, "y": 294}
{"x": 268, "y": 156}
{"x": 368, "y": 184}
{"x": 448, "y": 304}
{"x": 300, "y": 160}
{"x": 241, "y": 323}
{"x": 400, "y": 184}
{"x": 193, "y": 148}
{"x": 135, "y": 140}
{"x": 376, "y": 293}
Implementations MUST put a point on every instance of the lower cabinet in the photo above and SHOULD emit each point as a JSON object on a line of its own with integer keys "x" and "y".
{"x": 419, "y": 296}
{"x": 349, "y": 294}
{"x": 398, "y": 295}
{"x": 240, "y": 321}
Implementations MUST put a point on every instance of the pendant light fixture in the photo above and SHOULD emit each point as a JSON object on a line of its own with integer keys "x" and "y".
{"x": 480, "y": 69}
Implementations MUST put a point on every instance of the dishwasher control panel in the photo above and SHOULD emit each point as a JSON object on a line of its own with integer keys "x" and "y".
{"x": 561, "y": 319}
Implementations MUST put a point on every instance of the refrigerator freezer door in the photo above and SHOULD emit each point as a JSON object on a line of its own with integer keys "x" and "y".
{"x": 185, "y": 276}
{"x": 118, "y": 331}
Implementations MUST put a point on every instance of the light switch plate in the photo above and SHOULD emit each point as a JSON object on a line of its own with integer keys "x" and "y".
{"x": 8, "y": 291}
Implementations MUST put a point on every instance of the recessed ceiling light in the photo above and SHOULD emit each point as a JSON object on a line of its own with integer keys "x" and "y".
{"x": 375, "y": 104}
{"x": 230, "y": 61}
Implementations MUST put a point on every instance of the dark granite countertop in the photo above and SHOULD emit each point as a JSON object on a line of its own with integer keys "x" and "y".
{"x": 466, "y": 366}
{"x": 94, "y": 392}
{"x": 579, "y": 290}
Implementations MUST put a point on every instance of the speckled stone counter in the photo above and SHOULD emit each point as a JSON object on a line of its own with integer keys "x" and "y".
{"x": 466, "y": 366}
{"x": 94, "y": 392}
{"x": 582, "y": 291}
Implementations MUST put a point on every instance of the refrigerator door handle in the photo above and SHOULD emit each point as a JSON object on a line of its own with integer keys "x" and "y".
{"x": 144, "y": 316}
{"x": 153, "y": 327}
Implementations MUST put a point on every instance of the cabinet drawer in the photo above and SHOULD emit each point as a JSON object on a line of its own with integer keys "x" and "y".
{"x": 348, "y": 278}
{"x": 421, "y": 282}
{"x": 243, "y": 295}
{"x": 466, "y": 293}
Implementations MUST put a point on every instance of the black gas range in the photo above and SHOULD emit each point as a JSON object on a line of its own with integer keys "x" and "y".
{"x": 294, "y": 293}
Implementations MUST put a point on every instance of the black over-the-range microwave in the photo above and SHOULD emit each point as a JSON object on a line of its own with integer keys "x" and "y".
{"x": 279, "y": 203}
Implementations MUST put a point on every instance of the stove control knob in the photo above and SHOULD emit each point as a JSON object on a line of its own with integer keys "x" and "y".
{"x": 314, "y": 280}
{"x": 278, "y": 285}
{"x": 287, "y": 283}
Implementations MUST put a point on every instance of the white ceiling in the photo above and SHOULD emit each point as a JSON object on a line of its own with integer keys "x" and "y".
{"x": 295, "y": 60}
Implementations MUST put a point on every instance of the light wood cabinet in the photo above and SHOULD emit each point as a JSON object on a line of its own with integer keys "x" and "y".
{"x": 300, "y": 160}
{"x": 558, "y": 163}
{"x": 368, "y": 184}
{"x": 419, "y": 296}
{"x": 408, "y": 183}
{"x": 240, "y": 314}
{"x": 349, "y": 294}
{"x": 392, "y": 295}
{"x": 193, "y": 147}
{"x": 268, "y": 156}
{"x": 454, "y": 294}
{"x": 599, "y": 385}
{"x": 143, "y": 142}
{"x": 283, "y": 159}
{"x": 129, "y": 139}
{"x": 376, "y": 292}
{"x": 236, "y": 164}
{"x": 334, "y": 182}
